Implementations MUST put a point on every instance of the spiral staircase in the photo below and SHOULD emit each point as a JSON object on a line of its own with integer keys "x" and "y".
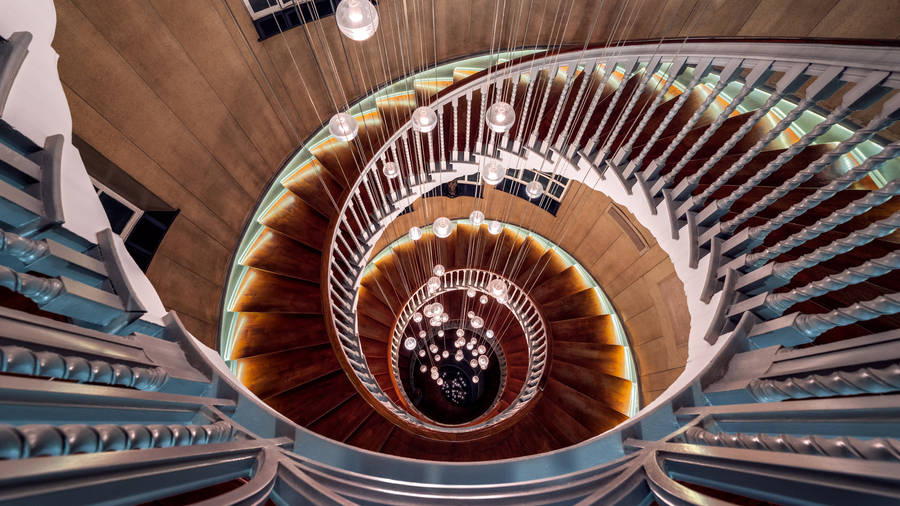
{"x": 765, "y": 170}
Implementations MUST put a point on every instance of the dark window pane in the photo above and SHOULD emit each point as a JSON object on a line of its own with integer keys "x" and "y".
{"x": 118, "y": 213}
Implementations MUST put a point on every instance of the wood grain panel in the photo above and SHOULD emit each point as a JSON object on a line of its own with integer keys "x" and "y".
{"x": 261, "y": 291}
{"x": 260, "y": 333}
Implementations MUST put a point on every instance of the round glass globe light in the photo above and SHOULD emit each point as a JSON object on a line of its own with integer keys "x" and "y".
{"x": 483, "y": 299}
{"x": 434, "y": 374}
{"x": 481, "y": 349}
{"x": 475, "y": 379}
{"x": 489, "y": 334}
{"x": 423, "y": 119}
{"x": 343, "y": 127}
{"x": 470, "y": 314}
{"x": 435, "y": 322}
{"x": 442, "y": 227}
{"x": 357, "y": 19}
{"x": 469, "y": 346}
{"x": 473, "y": 363}
{"x": 438, "y": 270}
{"x": 500, "y": 117}
{"x": 445, "y": 318}
{"x": 460, "y": 332}
{"x": 423, "y": 368}
{"x": 534, "y": 189}
{"x": 415, "y": 233}
{"x": 439, "y": 381}
{"x": 494, "y": 227}
{"x": 434, "y": 284}
{"x": 476, "y": 217}
{"x": 477, "y": 322}
{"x": 471, "y": 292}
{"x": 409, "y": 343}
{"x": 437, "y": 308}
{"x": 492, "y": 172}
{"x": 475, "y": 352}
{"x": 390, "y": 170}
{"x": 440, "y": 333}
{"x": 445, "y": 353}
{"x": 497, "y": 287}
{"x": 422, "y": 334}
{"x": 483, "y": 361}
{"x": 459, "y": 356}
{"x": 437, "y": 358}
{"x": 421, "y": 353}
{"x": 417, "y": 317}
{"x": 433, "y": 348}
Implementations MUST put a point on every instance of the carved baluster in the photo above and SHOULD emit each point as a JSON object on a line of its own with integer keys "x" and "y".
{"x": 862, "y": 380}
{"x": 468, "y": 124}
{"x": 608, "y": 69}
{"x": 672, "y": 74}
{"x": 784, "y": 271}
{"x": 813, "y": 325}
{"x": 579, "y": 96}
{"x": 512, "y": 102}
{"x": 841, "y": 446}
{"x": 856, "y": 208}
{"x": 479, "y": 147}
{"x": 23, "y": 249}
{"x": 778, "y": 303}
{"x": 532, "y": 77}
{"x": 725, "y": 77}
{"x": 40, "y": 290}
{"x": 788, "y": 83}
{"x": 627, "y": 69}
{"x": 823, "y": 87}
{"x": 858, "y": 97}
{"x": 754, "y": 236}
{"x": 700, "y": 70}
{"x": 756, "y": 77}
{"x": 649, "y": 70}
{"x": 888, "y": 115}
{"x": 455, "y": 128}
{"x": 441, "y": 159}
{"x": 564, "y": 94}
{"x": 551, "y": 76}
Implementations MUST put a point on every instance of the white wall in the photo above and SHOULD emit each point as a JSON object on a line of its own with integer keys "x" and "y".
{"x": 37, "y": 108}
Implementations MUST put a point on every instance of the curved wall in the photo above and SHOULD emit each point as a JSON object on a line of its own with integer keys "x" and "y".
{"x": 183, "y": 98}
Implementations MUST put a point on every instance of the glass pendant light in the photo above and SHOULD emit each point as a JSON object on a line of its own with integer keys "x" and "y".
{"x": 497, "y": 287}
{"x": 438, "y": 270}
{"x": 435, "y": 322}
{"x": 489, "y": 334}
{"x": 390, "y": 170}
{"x": 415, "y": 233}
{"x": 445, "y": 318}
{"x": 442, "y": 227}
{"x": 475, "y": 352}
{"x": 434, "y": 284}
{"x": 483, "y": 361}
{"x": 343, "y": 127}
{"x": 471, "y": 292}
{"x": 434, "y": 373}
{"x": 460, "y": 332}
{"x": 500, "y": 117}
{"x": 423, "y": 119}
{"x": 481, "y": 349}
{"x": 410, "y": 343}
{"x": 469, "y": 346}
{"x": 494, "y": 227}
{"x": 422, "y": 334}
{"x": 423, "y": 368}
{"x": 492, "y": 172}
{"x": 439, "y": 381}
{"x": 357, "y": 19}
{"x": 483, "y": 299}
{"x": 437, "y": 358}
{"x": 445, "y": 354}
{"x": 417, "y": 317}
{"x": 473, "y": 363}
{"x": 440, "y": 333}
{"x": 476, "y": 217}
{"x": 534, "y": 189}
{"x": 421, "y": 353}
{"x": 475, "y": 379}
{"x": 433, "y": 348}
{"x": 477, "y": 322}
{"x": 470, "y": 314}
{"x": 459, "y": 356}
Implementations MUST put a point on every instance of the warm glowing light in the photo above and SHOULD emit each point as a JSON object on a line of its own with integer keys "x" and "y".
{"x": 442, "y": 227}
{"x": 500, "y": 117}
{"x": 415, "y": 233}
{"x": 438, "y": 270}
{"x": 492, "y": 172}
{"x": 534, "y": 189}
{"x": 477, "y": 322}
{"x": 434, "y": 284}
{"x": 494, "y": 227}
{"x": 410, "y": 343}
{"x": 476, "y": 217}
{"x": 390, "y": 170}
{"x": 471, "y": 292}
{"x": 423, "y": 119}
{"x": 357, "y": 19}
{"x": 343, "y": 127}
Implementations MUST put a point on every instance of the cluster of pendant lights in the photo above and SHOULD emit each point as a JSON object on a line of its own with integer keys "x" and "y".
{"x": 358, "y": 20}
{"x": 436, "y": 316}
